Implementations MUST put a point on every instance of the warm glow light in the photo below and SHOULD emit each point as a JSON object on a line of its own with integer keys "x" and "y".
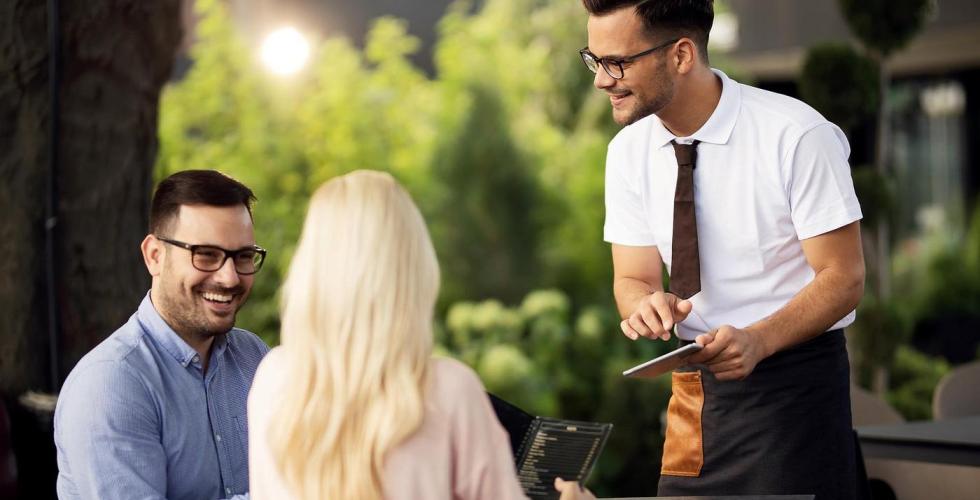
{"x": 285, "y": 51}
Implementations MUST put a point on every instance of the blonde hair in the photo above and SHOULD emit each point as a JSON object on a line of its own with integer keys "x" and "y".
{"x": 356, "y": 335}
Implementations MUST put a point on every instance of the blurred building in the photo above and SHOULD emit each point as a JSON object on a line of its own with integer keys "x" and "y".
{"x": 934, "y": 99}
{"x": 934, "y": 115}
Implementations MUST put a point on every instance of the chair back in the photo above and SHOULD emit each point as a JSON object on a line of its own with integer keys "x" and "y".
{"x": 869, "y": 409}
{"x": 958, "y": 393}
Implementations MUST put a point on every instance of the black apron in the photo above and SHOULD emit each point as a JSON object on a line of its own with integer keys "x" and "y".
{"x": 784, "y": 430}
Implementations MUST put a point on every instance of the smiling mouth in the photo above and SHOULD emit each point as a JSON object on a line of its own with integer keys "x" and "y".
{"x": 618, "y": 97}
{"x": 218, "y": 298}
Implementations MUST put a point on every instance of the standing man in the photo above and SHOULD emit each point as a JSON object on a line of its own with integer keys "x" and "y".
{"x": 746, "y": 196}
{"x": 157, "y": 410}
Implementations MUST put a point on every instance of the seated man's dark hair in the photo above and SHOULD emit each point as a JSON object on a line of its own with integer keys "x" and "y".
{"x": 194, "y": 187}
{"x": 666, "y": 19}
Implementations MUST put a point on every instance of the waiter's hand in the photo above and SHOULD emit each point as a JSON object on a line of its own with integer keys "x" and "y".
{"x": 730, "y": 353}
{"x": 655, "y": 315}
{"x": 571, "y": 490}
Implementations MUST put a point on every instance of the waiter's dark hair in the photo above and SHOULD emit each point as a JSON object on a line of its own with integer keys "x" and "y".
{"x": 195, "y": 187}
{"x": 666, "y": 18}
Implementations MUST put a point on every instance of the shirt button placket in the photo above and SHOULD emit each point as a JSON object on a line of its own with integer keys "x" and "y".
{"x": 219, "y": 448}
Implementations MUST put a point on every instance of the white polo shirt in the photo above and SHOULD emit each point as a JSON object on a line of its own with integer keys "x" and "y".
{"x": 770, "y": 172}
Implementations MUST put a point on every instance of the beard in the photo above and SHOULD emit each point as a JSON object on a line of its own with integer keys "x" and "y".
{"x": 662, "y": 93}
{"x": 187, "y": 316}
{"x": 186, "y": 313}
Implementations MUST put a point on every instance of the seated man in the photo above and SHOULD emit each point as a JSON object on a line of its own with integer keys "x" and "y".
{"x": 157, "y": 410}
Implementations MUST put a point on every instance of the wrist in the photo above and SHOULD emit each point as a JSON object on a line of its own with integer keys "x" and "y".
{"x": 765, "y": 341}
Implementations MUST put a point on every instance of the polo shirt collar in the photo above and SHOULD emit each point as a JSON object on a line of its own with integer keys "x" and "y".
{"x": 718, "y": 129}
{"x": 154, "y": 325}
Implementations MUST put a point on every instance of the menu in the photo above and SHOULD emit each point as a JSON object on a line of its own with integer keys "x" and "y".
{"x": 546, "y": 448}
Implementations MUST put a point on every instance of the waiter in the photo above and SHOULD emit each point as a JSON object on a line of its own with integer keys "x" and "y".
{"x": 746, "y": 196}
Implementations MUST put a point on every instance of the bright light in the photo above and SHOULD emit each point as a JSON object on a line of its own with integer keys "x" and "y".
{"x": 944, "y": 99}
{"x": 285, "y": 51}
{"x": 724, "y": 32}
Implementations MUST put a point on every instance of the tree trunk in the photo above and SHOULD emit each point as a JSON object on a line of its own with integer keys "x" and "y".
{"x": 882, "y": 143}
{"x": 882, "y": 245}
{"x": 116, "y": 56}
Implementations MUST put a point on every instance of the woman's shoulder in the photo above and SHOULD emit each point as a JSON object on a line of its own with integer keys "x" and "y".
{"x": 454, "y": 370}
{"x": 270, "y": 372}
{"x": 452, "y": 378}
{"x": 273, "y": 361}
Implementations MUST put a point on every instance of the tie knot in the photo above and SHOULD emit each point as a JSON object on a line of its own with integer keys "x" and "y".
{"x": 685, "y": 153}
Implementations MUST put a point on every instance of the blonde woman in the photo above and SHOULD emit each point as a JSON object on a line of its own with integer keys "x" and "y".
{"x": 351, "y": 406}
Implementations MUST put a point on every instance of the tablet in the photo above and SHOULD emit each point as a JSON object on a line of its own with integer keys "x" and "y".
{"x": 663, "y": 364}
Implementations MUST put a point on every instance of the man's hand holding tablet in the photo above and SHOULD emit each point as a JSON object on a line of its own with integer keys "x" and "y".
{"x": 663, "y": 364}
{"x": 655, "y": 316}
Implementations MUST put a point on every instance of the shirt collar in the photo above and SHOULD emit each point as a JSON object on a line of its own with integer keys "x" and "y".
{"x": 718, "y": 129}
{"x": 154, "y": 325}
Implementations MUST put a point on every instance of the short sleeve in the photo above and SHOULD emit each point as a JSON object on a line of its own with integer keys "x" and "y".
{"x": 821, "y": 191}
{"x": 625, "y": 223}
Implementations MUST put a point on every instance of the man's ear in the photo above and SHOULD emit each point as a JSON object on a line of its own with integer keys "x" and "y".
{"x": 153, "y": 251}
{"x": 686, "y": 56}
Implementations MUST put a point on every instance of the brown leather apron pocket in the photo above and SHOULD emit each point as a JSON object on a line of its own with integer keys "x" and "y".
{"x": 683, "y": 446}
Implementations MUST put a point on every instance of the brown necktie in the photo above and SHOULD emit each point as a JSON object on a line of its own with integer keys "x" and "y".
{"x": 685, "y": 268}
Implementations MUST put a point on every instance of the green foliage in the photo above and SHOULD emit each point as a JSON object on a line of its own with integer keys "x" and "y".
{"x": 940, "y": 271}
{"x": 876, "y": 193}
{"x": 839, "y": 83}
{"x": 939, "y": 276}
{"x": 885, "y": 25}
{"x": 914, "y": 378}
{"x": 485, "y": 230}
{"x": 498, "y": 149}
{"x": 523, "y": 56}
{"x": 971, "y": 246}
{"x": 879, "y": 330}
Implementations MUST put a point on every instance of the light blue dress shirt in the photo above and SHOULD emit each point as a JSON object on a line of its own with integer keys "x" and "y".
{"x": 138, "y": 419}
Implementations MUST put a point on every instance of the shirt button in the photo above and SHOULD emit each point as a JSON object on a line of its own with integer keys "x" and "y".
{"x": 217, "y": 437}
{"x": 196, "y": 359}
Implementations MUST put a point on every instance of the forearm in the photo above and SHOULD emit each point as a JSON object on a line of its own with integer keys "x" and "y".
{"x": 832, "y": 294}
{"x": 629, "y": 292}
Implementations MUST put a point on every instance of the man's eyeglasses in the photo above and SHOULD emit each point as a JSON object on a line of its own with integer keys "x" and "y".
{"x": 209, "y": 258}
{"x": 614, "y": 67}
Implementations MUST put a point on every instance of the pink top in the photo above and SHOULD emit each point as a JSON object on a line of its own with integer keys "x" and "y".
{"x": 460, "y": 451}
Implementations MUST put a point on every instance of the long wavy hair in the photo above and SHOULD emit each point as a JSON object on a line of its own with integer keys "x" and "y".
{"x": 357, "y": 336}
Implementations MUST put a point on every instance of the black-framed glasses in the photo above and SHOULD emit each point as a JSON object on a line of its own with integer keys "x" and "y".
{"x": 614, "y": 67}
{"x": 209, "y": 258}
